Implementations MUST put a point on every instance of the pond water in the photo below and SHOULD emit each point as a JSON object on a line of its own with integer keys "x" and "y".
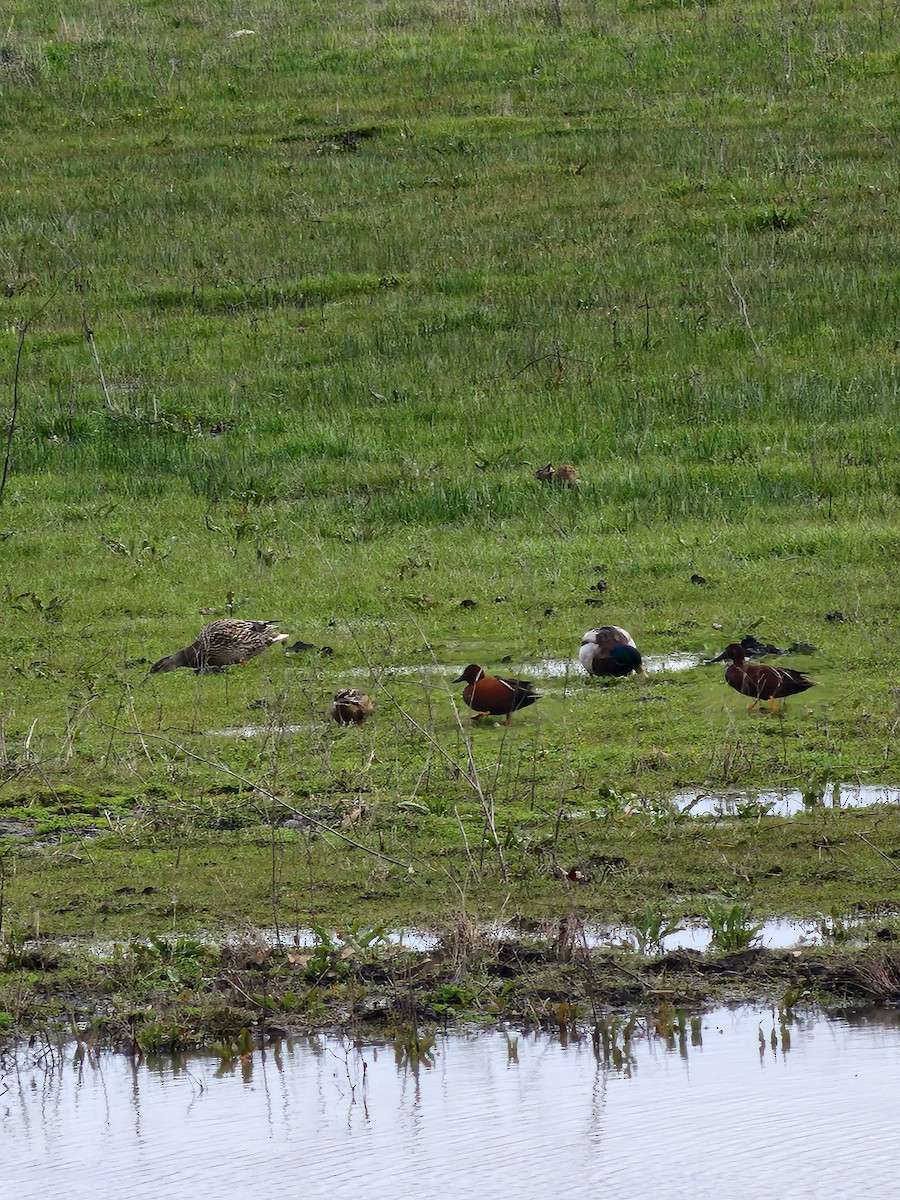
{"x": 777, "y": 934}
{"x": 739, "y": 1102}
{"x": 784, "y": 803}
{"x": 540, "y": 668}
{"x": 441, "y": 674}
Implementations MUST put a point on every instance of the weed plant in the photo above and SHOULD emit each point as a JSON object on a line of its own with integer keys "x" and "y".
{"x": 733, "y": 928}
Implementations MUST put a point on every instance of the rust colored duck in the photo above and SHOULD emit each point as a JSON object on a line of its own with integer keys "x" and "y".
{"x": 493, "y": 695}
{"x": 759, "y": 680}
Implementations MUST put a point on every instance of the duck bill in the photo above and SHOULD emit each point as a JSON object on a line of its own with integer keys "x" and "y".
{"x": 459, "y": 679}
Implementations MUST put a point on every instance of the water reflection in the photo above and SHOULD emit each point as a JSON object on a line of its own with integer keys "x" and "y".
{"x": 784, "y": 803}
{"x": 778, "y": 934}
{"x": 632, "y": 1111}
{"x": 547, "y": 669}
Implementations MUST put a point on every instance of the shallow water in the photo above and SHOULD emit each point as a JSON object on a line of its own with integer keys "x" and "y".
{"x": 738, "y": 1103}
{"x": 546, "y": 668}
{"x": 247, "y": 731}
{"x": 773, "y": 935}
{"x": 566, "y": 669}
{"x": 784, "y": 803}
{"x": 692, "y": 935}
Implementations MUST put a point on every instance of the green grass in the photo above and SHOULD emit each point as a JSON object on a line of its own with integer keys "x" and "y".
{"x": 350, "y": 278}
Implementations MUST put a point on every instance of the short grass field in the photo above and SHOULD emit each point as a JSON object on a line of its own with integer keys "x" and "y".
{"x": 295, "y": 300}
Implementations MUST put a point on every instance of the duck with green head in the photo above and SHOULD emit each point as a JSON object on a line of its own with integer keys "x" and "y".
{"x": 609, "y": 650}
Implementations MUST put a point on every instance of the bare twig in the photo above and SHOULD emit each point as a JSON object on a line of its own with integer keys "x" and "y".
{"x": 743, "y": 303}
{"x": 11, "y": 428}
{"x": 263, "y": 791}
{"x": 886, "y": 857}
{"x": 21, "y": 330}
{"x": 89, "y": 334}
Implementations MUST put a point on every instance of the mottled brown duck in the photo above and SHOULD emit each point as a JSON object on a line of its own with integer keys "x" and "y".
{"x": 222, "y": 644}
{"x": 350, "y": 706}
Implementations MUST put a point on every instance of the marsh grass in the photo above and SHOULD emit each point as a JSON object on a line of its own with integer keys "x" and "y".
{"x": 733, "y": 928}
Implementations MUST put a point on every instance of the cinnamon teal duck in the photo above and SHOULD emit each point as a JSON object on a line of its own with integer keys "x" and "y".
{"x": 609, "y": 650}
{"x": 493, "y": 695}
{"x": 222, "y": 644}
{"x": 759, "y": 680}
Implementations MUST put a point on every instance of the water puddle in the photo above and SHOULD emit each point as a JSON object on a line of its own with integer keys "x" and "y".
{"x": 784, "y": 803}
{"x": 561, "y": 668}
{"x": 418, "y": 941}
{"x": 777, "y": 934}
{"x": 247, "y": 731}
{"x": 772, "y": 935}
{"x": 441, "y": 673}
{"x": 654, "y": 663}
{"x": 780, "y": 933}
{"x": 540, "y": 668}
{"x": 493, "y": 1114}
{"x": 255, "y": 731}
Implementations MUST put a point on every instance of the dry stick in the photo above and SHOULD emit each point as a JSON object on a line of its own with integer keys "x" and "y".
{"x": 559, "y": 529}
{"x": 11, "y": 428}
{"x": 274, "y": 882}
{"x": 465, "y": 842}
{"x": 257, "y": 787}
{"x": 2, "y": 890}
{"x": 554, "y": 353}
{"x": 886, "y": 857}
{"x": 89, "y": 334}
{"x": 743, "y": 303}
{"x": 144, "y": 745}
{"x": 21, "y": 329}
{"x": 471, "y": 776}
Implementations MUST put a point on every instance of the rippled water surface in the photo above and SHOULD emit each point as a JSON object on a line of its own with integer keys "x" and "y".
{"x": 736, "y": 1103}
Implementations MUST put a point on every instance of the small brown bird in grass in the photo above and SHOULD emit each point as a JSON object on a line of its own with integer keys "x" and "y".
{"x": 494, "y": 696}
{"x": 760, "y": 680}
{"x": 350, "y": 706}
{"x": 564, "y": 475}
{"x": 222, "y": 644}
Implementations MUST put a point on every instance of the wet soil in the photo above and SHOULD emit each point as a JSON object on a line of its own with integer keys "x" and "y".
{"x": 178, "y": 995}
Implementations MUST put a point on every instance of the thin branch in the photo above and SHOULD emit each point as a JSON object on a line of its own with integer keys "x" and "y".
{"x": 89, "y": 334}
{"x": 743, "y": 303}
{"x": 21, "y": 329}
{"x": 11, "y": 428}
{"x": 886, "y": 857}
{"x": 263, "y": 791}
{"x": 471, "y": 775}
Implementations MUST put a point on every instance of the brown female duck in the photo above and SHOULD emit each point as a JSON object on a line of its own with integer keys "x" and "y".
{"x": 222, "y": 644}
